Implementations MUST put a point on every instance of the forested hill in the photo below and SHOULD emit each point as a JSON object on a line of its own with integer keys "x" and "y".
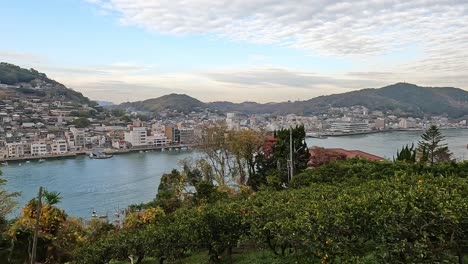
{"x": 399, "y": 97}
{"x": 171, "y": 102}
{"x": 17, "y": 81}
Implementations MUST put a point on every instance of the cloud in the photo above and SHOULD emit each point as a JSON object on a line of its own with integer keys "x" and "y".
{"x": 359, "y": 27}
{"x": 360, "y": 30}
{"x": 20, "y": 57}
{"x": 285, "y": 78}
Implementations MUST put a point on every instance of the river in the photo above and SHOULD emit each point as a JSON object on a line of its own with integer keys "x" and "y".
{"x": 107, "y": 185}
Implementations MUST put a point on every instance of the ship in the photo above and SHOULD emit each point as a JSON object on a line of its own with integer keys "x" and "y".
{"x": 99, "y": 155}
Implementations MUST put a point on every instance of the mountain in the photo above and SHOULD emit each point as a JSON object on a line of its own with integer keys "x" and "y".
{"x": 104, "y": 103}
{"x": 399, "y": 97}
{"x": 20, "y": 82}
{"x": 172, "y": 102}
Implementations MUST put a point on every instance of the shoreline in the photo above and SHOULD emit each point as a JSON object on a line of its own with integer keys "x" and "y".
{"x": 87, "y": 152}
{"x": 381, "y": 131}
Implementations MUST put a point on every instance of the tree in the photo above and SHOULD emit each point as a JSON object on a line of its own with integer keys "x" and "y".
{"x": 301, "y": 155}
{"x": 125, "y": 118}
{"x": 52, "y": 198}
{"x": 81, "y": 122}
{"x": 407, "y": 154}
{"x": 431, "y": 144}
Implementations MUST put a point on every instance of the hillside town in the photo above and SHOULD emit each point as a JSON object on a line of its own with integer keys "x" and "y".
{"x": 33, "y": 127}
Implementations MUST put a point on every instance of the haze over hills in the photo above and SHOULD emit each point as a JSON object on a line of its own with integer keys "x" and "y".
{"x": 400, "y": 98}
{"x": 21, "y": 82}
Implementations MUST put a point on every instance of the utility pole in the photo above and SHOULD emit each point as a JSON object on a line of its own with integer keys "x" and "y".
{"x": 36, "y": 228}
{"x": 291, "y": 151}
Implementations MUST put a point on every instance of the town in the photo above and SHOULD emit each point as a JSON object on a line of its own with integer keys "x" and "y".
{"x": 33, "y": 127}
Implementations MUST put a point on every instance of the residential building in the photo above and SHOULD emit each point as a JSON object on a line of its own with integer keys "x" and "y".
{"x": 379, "y": 124}
{"x": 58, "y": 147}
{"x": 407, "y": 123}
{"x": 172, "y": 133}
{"x": 119, "y": 144}
{"x": 158, "y": 140}
{"x": 39, "y": 149}
{"x": 16, "y": 149}
{"x": 137, "y": 136}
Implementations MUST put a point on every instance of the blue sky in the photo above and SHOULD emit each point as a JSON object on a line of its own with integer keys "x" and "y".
{"x": 256, "y": 50}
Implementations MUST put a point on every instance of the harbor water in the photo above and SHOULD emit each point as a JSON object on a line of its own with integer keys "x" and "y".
{"x": 109, "y": 184}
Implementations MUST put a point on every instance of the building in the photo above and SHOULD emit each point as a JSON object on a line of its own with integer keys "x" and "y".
{"x": 78, "y": 138}
{"x": 232, "y": 121}
{"x": 172, "y": 133}
{"x": 137, "y": 136}
{"x": 187, "y": 135}
{"x": 119, "y": 144}
{"x": 320, "y": 156}
{"x": 59, "y": 147}
{"x": 349, "y": 126}
{"x": 39, "y": 149}
{"x": 158, "y": 140}
{"x": 406, "y": 123}
{"x": 17, "y": 150}
{"x": 380, "y": 124}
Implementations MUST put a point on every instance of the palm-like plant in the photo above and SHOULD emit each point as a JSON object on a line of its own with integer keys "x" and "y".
{"x": 52, "y": 198}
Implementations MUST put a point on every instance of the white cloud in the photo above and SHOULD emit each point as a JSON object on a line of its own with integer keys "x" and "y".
{"x": 328, "y": 27}
{"x": 358, "y": 29}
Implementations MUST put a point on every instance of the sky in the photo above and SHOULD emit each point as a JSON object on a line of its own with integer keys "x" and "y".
{"x": 237, "y": 50}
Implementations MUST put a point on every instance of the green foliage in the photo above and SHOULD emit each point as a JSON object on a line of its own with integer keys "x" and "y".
{"x": 81, "y": 122}
{"x": 407, "y": 154}
{"x": 172, "y": 102}
{"x": 13, "y": 75}
{"x": 399, "y": 97}
{"x": 272, "y": 161}
{"x": 431, "y": 144}
{"x": 125, "y": 118}
{"x": 358, "y": 170}
{"x": 52, "y": 198}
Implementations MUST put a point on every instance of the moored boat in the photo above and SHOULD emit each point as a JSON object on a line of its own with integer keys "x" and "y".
{"x": 99, "y": 155}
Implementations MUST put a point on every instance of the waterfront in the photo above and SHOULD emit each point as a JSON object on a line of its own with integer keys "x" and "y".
{"x": 105, "y": 185}
{"x": 87, "y": 184}
{"x": 386, "y": 144}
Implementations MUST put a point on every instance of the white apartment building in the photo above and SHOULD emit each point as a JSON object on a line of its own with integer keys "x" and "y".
{"x": 158, "y": 140}
{"x": 349, "y": 126}
{"x": 75, "y": 138}
{"x": 39, "y": 149}
{"x": 59, "y": 147}
{"x": 16, "y": 150}
{"x": 137, "y": 136}
{"x": 407, "y": 123}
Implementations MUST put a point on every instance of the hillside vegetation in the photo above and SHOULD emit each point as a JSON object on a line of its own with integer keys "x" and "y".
{"x": 23, "y": 82}
{"x": 172, "y": 102}
{"x": 400, "y": 97}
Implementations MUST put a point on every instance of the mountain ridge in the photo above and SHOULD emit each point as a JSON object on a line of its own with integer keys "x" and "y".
{"x": 403, "y": 98}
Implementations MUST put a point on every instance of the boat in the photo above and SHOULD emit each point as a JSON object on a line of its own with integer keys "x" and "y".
{"x": 5, "y": 163}
{"x": 41, "y": 160}
{"x": 316, "y": 135}
{"x": 99, "y": 155}
{"x": 28, "y": 161}
{"x": 141, "y": 151}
